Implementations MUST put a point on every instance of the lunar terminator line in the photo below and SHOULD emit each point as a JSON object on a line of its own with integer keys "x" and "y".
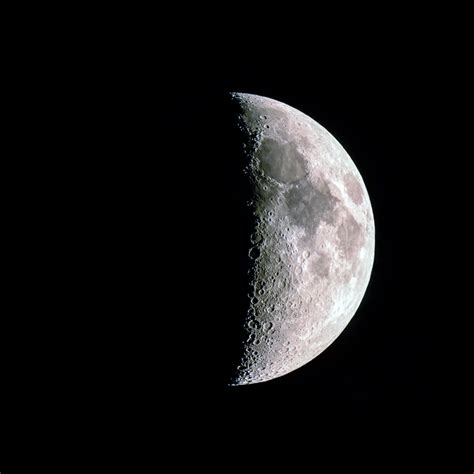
{"x": 312, "y": 246}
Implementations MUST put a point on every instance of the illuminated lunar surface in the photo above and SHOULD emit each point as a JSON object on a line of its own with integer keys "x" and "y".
{"x": 312, "y": 245}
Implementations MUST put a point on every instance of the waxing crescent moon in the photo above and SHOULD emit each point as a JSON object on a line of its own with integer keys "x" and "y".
{"x": 312, "y": 247}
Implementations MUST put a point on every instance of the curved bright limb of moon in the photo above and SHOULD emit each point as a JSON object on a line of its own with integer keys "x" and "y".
{"x": 312, "y": 246}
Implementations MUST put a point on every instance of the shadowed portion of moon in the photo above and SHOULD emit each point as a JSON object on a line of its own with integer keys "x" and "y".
{"x": 232, "y": 222}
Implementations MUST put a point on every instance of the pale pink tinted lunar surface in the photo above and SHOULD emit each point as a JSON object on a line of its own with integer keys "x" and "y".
{"x": 313, "y": 246}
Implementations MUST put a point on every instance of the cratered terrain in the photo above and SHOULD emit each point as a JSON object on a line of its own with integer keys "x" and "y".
{"x": 310, "y": 243}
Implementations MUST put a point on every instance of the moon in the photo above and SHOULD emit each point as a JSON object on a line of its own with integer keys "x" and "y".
{"x": 311, "y": 247}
